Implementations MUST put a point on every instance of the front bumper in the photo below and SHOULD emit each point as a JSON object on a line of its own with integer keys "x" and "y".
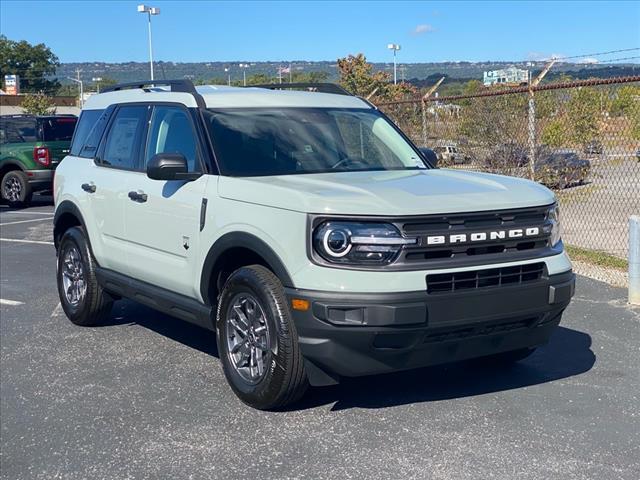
{"x": 347, "y": 334}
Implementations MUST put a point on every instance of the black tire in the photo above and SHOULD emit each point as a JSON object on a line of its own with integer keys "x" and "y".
{"x": 95, "y": 304}
{"x": 16, "y": 190}
{"x": 508, "y": 358}
{"x": 283, "y": 380}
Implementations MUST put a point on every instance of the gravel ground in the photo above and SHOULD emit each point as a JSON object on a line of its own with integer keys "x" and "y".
{"x": 144, "y": 397}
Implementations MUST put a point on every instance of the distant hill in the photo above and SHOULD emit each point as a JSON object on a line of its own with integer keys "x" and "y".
{"x": 416, "y": 72}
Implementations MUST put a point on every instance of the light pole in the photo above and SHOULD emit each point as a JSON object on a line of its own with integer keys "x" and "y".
{"x": 395, "y": 47}
{"x": 79, "y": 82}
{"x": 226, "y": 70}
{"x": 97, "y": 80}
{"x": 149, "y": 11}
{"x": 244, "y": 67}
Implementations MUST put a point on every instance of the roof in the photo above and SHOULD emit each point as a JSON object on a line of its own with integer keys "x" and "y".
{"x": 222, "y": 96}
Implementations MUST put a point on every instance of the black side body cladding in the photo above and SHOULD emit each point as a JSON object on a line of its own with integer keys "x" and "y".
{"x": 157, "y": 298}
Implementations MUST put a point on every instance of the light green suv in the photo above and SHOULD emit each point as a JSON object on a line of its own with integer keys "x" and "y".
{"x": 306, "y": 229}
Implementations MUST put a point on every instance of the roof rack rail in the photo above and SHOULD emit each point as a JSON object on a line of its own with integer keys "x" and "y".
{"x": 310, "y": 86}
{"x": 183, "y": 85}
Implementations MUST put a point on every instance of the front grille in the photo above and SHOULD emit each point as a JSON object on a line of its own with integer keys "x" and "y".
{"x": 492, "y": 277}
{"x": 469, "y": 252}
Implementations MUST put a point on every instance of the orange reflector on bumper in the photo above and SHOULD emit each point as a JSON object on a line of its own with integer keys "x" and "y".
{"x": 299, "y": 304}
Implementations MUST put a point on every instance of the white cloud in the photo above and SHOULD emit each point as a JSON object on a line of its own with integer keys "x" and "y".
{"x": 422, "y": 28}
{"x": 589, "y": 60}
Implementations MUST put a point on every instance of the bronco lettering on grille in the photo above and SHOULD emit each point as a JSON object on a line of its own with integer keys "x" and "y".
{"x": 483, "y": 236}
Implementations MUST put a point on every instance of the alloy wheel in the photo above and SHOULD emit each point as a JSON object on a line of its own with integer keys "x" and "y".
{"x": 248, "y": 341}
{"x": 73, "y": 278}
{"x": 12, "y": 189}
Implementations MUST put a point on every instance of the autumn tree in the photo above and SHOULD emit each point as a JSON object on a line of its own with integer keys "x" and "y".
{"x": 357, "y": 77}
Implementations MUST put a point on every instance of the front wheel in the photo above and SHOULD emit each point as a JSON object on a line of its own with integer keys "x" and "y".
{"x": 257, "y": 340}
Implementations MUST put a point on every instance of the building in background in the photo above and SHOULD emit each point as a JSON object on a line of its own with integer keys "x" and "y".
{"x": 506, "y": 76}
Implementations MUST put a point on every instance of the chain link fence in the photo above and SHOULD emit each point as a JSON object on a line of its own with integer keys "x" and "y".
{"x": 582, "y": 139}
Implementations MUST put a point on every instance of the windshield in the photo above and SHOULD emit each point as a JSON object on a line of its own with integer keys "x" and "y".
{"x": 283, "y": 141}
{"x": 58, "y": 128}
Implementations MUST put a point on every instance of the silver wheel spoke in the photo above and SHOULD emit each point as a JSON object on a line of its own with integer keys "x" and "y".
{"x": 73, "y": 281}
{"x": 247, "y": 337}
{"x": 236, "y": 326}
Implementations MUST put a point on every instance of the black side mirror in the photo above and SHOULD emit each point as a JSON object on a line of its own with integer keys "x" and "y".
{"x": 430, "y": 155}
{"x": 169, "y": 166}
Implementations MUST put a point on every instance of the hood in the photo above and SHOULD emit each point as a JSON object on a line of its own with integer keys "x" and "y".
{"x": 388, "y": 193}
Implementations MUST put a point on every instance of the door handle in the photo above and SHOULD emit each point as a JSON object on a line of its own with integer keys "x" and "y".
{"x": 140, "y": 196}
{"x": 89, "y": 187}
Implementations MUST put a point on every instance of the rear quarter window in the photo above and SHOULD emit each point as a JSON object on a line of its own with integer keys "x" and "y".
{"x": 86, "y": 123}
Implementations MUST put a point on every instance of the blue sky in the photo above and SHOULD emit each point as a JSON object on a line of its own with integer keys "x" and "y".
{"x": 257, "y": 31}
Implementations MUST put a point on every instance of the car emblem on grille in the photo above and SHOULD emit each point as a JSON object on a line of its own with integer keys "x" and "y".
{"x": 510, "y": 234}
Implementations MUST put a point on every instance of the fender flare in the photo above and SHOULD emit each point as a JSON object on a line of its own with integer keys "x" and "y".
{"x": 12, "y": 162}
{"x": 243, "y": 240}
{"x": 67, "y": 206}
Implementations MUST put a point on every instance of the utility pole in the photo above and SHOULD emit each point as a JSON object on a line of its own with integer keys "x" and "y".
{"x": 226, "y": 70}
{"x": 424, "y": 110}
{"x": 532, "y": 117}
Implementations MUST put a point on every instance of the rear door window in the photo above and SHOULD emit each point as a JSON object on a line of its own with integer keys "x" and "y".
{"x": 126, "y": 133}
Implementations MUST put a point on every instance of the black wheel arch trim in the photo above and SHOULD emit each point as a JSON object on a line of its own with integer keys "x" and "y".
{"x": 241, "y": 240}
{"x": 65, "y": 207}
{"x": 11, "y": 163}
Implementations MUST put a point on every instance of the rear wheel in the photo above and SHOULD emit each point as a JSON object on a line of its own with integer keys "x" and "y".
{"x": 16, "y": 189}
{"x": 82, "y": 298}
{"x": 257, "y": 340}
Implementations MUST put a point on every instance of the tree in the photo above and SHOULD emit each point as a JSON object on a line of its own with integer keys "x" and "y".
{"x": 38, "y": 104}
{"x": 583, "y": 114}
{"x": 357, "y": 77}
{"x": 31, "y": 62}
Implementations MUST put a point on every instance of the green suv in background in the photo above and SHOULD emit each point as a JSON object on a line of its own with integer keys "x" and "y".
{"x": 30, "y": 149}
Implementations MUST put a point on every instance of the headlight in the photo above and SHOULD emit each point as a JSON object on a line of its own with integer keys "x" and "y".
{"x": 358, "y": 242}
{"x": 554, "y": 216}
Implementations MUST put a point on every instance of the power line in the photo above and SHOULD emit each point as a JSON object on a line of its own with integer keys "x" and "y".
{"x": 612, "y": 60}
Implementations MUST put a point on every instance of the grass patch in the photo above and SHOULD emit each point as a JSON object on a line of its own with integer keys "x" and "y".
{"x": 597, "y": 257}
{"x": 577, "y": 194}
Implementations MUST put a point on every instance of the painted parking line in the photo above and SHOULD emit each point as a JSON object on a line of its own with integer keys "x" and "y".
{"x": 4, "y": 301}
{"x": 57, "y": 312}
{"x": 18, "y": 240}
{"x": 27, "y": 221}
{"x": 21, "y": 212}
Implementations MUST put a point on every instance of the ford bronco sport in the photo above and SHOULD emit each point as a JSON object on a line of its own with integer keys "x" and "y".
{"x": 306, "y": 230}
{"x": 30, "y": 149}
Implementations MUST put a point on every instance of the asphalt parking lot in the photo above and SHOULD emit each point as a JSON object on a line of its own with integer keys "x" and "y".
{"x": 144, "y": 396}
